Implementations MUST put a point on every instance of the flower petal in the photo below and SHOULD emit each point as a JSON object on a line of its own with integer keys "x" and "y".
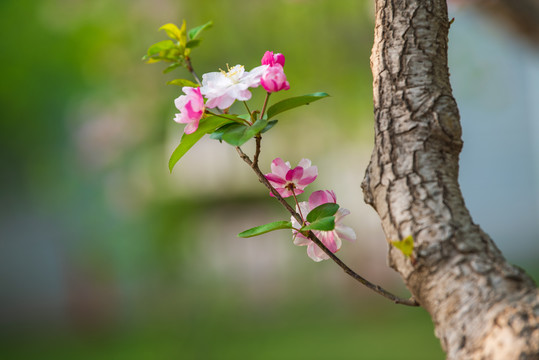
{"x": 295, "y": 174}
{"x": 191, "y": 127}
{"x": 320, "y": 197}
{"x": 329, "y": 239}
{"x": 275, "y": 179}
{"x": 301, "y": 240}
{"x": 345, "y": 232}
{"x": 316, "y": 253}
{"x": 279, "y": 167}
{"x": 305, "y": 163}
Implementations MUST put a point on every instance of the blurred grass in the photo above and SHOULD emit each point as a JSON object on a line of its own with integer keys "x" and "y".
{"x": 390, "y": 332}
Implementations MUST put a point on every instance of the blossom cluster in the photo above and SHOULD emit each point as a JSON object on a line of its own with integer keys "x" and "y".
{"x": 291, "y": 182}
{"x": 221, "y": 89}
{"x": 331, "y": 239}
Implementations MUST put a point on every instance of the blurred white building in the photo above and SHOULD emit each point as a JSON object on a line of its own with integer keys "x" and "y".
{"x": 495, "y": 79}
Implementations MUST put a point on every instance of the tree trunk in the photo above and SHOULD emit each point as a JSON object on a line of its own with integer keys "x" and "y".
{"x": 481, "y": 306}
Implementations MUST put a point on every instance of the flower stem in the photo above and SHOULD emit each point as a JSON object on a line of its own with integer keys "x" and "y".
{"x": 299, "y": 208}
{"x": 376, "y": 288}
{"x": 265, "y": 104}
{"x": 248, "y": 110}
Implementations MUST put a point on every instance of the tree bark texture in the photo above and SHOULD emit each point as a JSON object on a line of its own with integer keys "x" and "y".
{"x": 482, "y": 307}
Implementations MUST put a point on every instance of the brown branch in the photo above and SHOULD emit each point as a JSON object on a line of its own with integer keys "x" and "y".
{"x": 258, "y": 139}
{"x": 376, "y": 288}
{"x": 191, "y": 70}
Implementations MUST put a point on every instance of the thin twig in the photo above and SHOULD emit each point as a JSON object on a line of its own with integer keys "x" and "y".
{"x": 248, "y": 110}
{"x": 376, "y": 288}
{"x": 299, "y": 208}
{"x": 191, "y": 70}
{"x": 258, "y": 139}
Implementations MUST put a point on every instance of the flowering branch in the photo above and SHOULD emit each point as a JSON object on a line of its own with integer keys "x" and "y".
{"x": 376, "y": 288}
{"x": 321, "y": 229}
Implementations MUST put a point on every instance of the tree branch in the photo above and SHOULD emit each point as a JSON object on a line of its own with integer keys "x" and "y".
{"x": 376, "y": 288}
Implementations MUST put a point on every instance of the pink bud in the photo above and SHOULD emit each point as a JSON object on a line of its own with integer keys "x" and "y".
{"x": 274, "y": 79}
{"x": 271, "y": 59}
{"x": 279, "y": 59}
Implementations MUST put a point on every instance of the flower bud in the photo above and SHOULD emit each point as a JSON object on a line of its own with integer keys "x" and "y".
{"x": 271, "y": 59}
{"x": 274, "y": 79}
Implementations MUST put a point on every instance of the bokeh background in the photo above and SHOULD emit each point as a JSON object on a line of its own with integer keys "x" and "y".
{"x": 104, "y": 254}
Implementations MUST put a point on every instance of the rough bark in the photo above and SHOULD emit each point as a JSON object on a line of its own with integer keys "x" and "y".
{"x": 482, "y": 307}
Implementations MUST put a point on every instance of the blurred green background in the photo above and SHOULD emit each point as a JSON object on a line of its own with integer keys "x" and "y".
{"x": 104, "y": 254}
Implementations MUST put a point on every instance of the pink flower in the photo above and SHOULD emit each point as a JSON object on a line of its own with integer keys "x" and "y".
{"x": 331, "y": 239}
{"x": 289, "y": 181}
{"x": 223, "y": 88}
{"x": 191, "y": 106}
{"x": 273, "y": 79}
{"x": 271, "y": 59}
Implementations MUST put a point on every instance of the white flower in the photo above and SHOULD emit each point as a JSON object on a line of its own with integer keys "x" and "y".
{"x": 223, "y": 88}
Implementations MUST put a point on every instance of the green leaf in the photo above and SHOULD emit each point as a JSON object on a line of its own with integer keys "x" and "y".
{"x": 183, "y": 35}
{"x": 194, "y": 32}
{"x": 238, "y": 135}
{"x": 182, "y": 82}
{"x": 207, "y": 125}
{"x": 294, "y": 102}
{"x": 171, "y": 67}
{"x": 406, "y": 245}
{"x": 172, "y": 31}
{"x": 161, "y": 46}
{"x": 193, "y": 43}
{"x": 324, "y": 224}
{"x": 262, "y": 229}
{"x": 218, "y": 134}
{"x": 322, "y": 211}
{"x": 269, "y": 126}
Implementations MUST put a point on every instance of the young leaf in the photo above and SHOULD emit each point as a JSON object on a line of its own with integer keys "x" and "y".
{"x": 324, "y": 224}
{"x": 271, "y": 124}
{"x": 193, "y": 43}
{"x": 322, "y": 211}
{"x": 194, "y": 32}
{"x": 171, "y": 67}
{"x": 262, "y": 229}
{"x": 406, "y": 245}
{"x": 238, "y": 135}
{"x": 234, "y": 134}
{"x": 294, "y": 102}
{"x": 160, "y": 46}
{"x": 183, "y": 35}
{"x": 172, "y": 31}
{"x": 218, "y": 134}
{"x": 182, "y": 83}
{"x": 207, "y": 125}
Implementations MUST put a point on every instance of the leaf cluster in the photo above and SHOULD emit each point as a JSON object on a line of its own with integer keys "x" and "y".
{"x": 176, "y": 50}
{"x": 236, "y": 130}
{"x": 320, "y": 218}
